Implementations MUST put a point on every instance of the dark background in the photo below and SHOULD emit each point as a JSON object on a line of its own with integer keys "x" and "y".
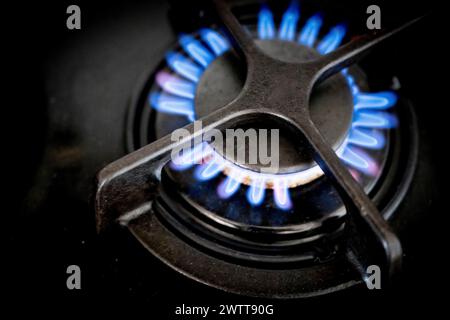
{"x": 53, "y": 152}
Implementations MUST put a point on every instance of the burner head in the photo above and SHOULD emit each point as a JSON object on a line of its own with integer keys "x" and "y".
{"x": 204, "y": 74}
{"x": 331, "y": 103}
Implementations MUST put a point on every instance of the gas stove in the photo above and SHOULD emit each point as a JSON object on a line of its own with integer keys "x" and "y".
{"x": 354, "y": 185}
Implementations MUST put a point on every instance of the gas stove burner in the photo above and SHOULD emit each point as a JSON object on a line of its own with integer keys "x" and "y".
{"x": 203, "y": 73}
{"x": 309, "y": 228}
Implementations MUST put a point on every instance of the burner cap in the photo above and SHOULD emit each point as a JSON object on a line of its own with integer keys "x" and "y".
{"x": 331, "y": 103}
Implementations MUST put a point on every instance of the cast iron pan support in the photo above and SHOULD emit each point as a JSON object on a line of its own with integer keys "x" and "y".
{"x": 276, "y": 89}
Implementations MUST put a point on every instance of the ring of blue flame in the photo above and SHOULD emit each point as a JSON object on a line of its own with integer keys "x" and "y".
{"x": 177, "y": 92}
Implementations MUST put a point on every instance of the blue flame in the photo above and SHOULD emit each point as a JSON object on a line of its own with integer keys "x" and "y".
{"x": 215, "y": 41}
{"x": 228, "y": 187}
{"x": 256, "y": 192}
{"x": 266, "y": 26}
{"x": 196, "y": 50}
{"x": 360, "y": 160}
{"x": 332, "y": 40}
{"x": 381, "y": 100}
{"x": 209, "y": 170}
{"x": 191, "y": 156}
{"x": 351, "y": 82}
{"x": 183, "y": 66}
{"x": 374, "y": 119}
{"x": 173, "y": 105}
{"x": 174, "y": 85}
{"x": 281, "y": 195}
{"x": 310, "y": 31}
{"x": 370, "y": 139}
{"x": 289, "y": 22}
